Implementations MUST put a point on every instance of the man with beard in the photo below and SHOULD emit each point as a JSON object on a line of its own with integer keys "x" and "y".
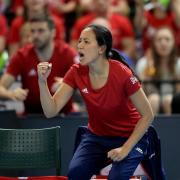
{"x": 23, "y": 64}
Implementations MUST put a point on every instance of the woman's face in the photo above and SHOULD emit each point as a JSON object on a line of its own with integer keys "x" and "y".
{"x": 164, "y": 42}
{"x": 88, "y": 48}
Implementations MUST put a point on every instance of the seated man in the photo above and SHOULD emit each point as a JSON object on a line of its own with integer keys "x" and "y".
{"x": 24, "y": 64}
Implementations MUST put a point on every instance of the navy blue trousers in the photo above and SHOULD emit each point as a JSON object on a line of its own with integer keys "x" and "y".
{"x": 91, "y": 156}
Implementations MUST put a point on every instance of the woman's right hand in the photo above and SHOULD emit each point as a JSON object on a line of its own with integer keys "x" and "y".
{"x": 43, "y": 69}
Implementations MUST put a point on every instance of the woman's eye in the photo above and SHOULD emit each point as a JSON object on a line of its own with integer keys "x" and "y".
{"x": 79, "y": 41}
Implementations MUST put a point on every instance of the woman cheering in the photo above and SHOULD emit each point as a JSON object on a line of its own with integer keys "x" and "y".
{"x": 119, "y": 112}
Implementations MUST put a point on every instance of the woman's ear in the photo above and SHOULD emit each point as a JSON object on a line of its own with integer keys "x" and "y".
{"x": 102, "y": 49}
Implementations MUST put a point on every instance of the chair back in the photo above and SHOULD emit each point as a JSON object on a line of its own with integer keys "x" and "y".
{"x": 30, "y": 148}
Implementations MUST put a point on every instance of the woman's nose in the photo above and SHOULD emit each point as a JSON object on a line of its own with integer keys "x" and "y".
{"x": 80, "y": 45}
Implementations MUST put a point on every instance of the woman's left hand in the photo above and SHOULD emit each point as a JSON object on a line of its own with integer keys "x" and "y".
{"x": 118, "y": 154}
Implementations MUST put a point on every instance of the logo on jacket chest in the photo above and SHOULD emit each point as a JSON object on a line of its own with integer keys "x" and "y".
{"x": 32, "y": 72}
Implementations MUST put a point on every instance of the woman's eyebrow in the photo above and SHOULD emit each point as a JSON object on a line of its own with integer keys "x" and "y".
{"x": 84, "y": 38}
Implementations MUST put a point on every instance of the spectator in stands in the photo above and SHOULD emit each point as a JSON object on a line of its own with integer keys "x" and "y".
{"x": 151, "y": 16}
{"x": 24, "y": 64}
{"x": 25, "y": 34}
{"x": 66, "y": 10}
{"x": 3, "y": 34}
{"x": 3, "y": 6}
{"x": 11, "y": 9}
{"x": 119, "y": 112}
{"x": 17, "y": 7}
{"x": 117, "y": 6}
{"x": 33, "y": 8}
{"x": 162, "y": 64}
{"x": 85, "y": 6}
{"x": 176, "y": 9}
{"x": 120, "y": 26}
{"x": 120, "y": 7}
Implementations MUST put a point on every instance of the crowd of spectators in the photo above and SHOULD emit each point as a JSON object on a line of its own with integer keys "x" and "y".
{"x": 145, "y": 32}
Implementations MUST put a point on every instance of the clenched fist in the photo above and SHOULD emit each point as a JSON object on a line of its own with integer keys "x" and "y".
{"x": 43, "y": 69}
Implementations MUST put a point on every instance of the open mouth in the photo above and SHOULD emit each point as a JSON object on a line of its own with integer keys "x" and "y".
{"x": 81, "y": 54}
